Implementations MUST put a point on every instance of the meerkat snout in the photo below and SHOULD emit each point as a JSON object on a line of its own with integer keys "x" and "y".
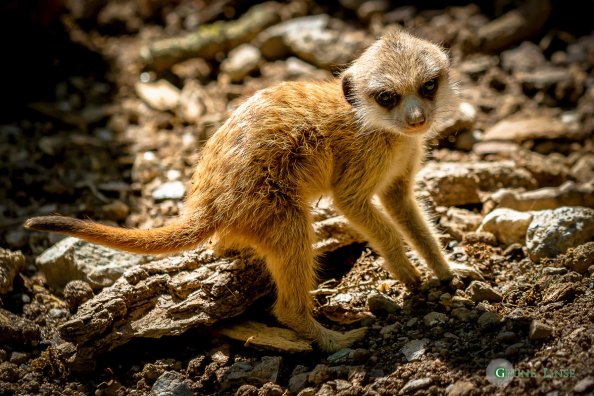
{"x": 414, "y": 114}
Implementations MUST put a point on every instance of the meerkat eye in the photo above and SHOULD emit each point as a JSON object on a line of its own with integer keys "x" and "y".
{"x": 428, "y": 89}
{"x": 386, "y": 99}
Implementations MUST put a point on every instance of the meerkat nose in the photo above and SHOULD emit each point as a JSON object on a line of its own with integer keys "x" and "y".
{"x": 414, "y": 116}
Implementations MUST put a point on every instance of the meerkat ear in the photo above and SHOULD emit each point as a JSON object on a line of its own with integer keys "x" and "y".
{"x": 347, "y": 87}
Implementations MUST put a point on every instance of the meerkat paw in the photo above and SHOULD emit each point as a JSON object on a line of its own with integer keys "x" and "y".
{"x": 411, "y": 277}
{"x": 465, "y": 271}
{"x": 332, "y": 341}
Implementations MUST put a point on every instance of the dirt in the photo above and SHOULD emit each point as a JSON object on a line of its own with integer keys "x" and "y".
{"x": 76, "y": 138}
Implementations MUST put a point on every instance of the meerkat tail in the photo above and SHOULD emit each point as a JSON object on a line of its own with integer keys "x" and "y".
{"x": 169, "y": 239}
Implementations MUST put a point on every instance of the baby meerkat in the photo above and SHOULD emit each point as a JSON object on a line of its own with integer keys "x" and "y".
{"x": 355, "y": 137}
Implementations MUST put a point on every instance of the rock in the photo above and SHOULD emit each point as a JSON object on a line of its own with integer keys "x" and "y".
{"x": 461, "y": 119}
{"x": 369, "y": 9}
{"x": 17, "y": 239}
{"x": 380, "y": 304}
{"x": 583, "y": 169}
{"x": 169, "y": 190}
{"x": 434, "y": 318}
{"x": 459, "y": 183}
{"x": 11, "y": 263}
{"x": 507, "y": 336}
{"x": 415, "y": 349}
{"x": 319, "y": 375}
{"x": 539, "y": 331}
{"x": 514, "y": 26}
{"x": 310, "y": 39}
{"x": 540, "y": 127}
{"x": 247, "y": 390}
{"x": 72, "y": 259}
{"x": 15, "y": 329}
{"x": 328, "y": 49}
{"x": 503, "y": 148}
{"x": 270, "y": 389}
{"x": 267, "y": 370}
{"x": 192, "y": 100}
{"x": 339, "y": 356}
{"x": 460, "y": 388}
{"x": 160, "y": 95}
{"x": 272, "y": 41}
{"x": 552, "y": 232}
{"x": 307, "y": 392}
{"x": 462, "y": 314}
{"x": 325, "y": 390}
{"x": 471, "y": 238}
{"x": 170, "y": 384}
{"x": 414, "y": 385}
{"x": 567, "y": 194}
{"x": 562, "y": 291}
{"x": 116, "y": 210}
{"x": 488, "y": 320}
{"x": 577, "y": 259}
{"x": 458, "y": 222}
{"x": 241, "y": 61}
{"x": 479, "y": 291}
{"x": 508, "y": 226}
{"x": 525, "y": 57}
{"x": 584, "y": 385}
{"x": 298, "y": 382}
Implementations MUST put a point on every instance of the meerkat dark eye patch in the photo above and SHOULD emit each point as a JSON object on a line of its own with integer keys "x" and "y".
{"x": 387, "y": 99}
{"x": 429, "y": 88}
{"x": 347, "y": 89}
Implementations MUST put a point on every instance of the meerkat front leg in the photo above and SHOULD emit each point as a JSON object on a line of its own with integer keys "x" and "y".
{"x": 382, "y": 235}
{"x": 401, "y": 204}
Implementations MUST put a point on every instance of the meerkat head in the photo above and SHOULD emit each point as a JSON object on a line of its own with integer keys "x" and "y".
{"x": 400, "y": 84}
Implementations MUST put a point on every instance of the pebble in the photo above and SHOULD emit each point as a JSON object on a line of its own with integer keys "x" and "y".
{"x": 170, "y": 384}
{"x": 77, "y": 292}
{"x": 488, "y": 320}
{"x": 414, "y": 349}
{"x": 298, "y": 382}
{"x": 160, "y": 95}
{"x": 169, "y": 190}
{"x": 460, "y": 388}
{"x": 242, "y": 60}
{"x": 539, "y": 331}
{"x": 340, "y": 356}
{"x": 462, "y": 314}
{"x": 479, "y": 291}
{"x": 19, "y": 358}
{"x": 380, "y": 304}
{"x": 319, "y": 375}
{"x": 325, "y": 390}
{"x": 584, "y": 385}
{"x": 414, "y": 385}
{"x": 307, "y": 392}
{"x": 434, "y": 318}
{"x": 509, "y": 226}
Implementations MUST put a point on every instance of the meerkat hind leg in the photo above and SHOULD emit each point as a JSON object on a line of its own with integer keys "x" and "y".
{"x": 291, "y": 263}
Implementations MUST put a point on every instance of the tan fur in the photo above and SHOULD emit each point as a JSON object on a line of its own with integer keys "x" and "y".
{"x": 287, "y": 145}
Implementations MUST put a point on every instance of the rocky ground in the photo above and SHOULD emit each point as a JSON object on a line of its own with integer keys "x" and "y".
{"x": 109, "y": 104}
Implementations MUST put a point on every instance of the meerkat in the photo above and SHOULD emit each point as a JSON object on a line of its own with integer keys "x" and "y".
{"x": 358, "y": 136}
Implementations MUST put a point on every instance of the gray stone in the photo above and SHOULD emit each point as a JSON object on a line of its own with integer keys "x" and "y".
{"x": 460, "y": 388}
{"x": 267, "y": 370}
{"x": 169, "y": 190}
{"x": 298, "y": 382}
{"x": 434, "y": 319}
{"x": 241, "y": 61}
{"x": 509, "y": 226}
{"x": 488, "y": 320}
{"x": 414, "y": 349}
{"x": 414, "y": 385}
{"x": 340, "y": 356}
{"x": 525, "y": 57}
{"x": 553, "y": 232}
{"x": 462, "y": 314}
{"x": 380, "y": 304}
{"x": 584, "y": 385}
{"x": 539, "y": 331}
{"x": 170, "y": 384}
{"x": 72, "y": 259}
{"x": 479, "y": 291}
